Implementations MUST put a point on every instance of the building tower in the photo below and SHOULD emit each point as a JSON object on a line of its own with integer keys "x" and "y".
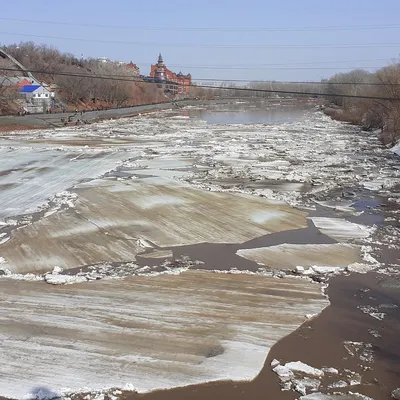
{"x": 160, "y": 71}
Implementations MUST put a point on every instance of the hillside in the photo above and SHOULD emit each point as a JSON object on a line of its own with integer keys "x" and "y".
{"x": 76, "y": 82}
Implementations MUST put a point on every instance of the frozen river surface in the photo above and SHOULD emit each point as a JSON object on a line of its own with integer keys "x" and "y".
{"x": 178, "y": 247}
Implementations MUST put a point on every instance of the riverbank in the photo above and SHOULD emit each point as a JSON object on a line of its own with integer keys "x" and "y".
{"x": 356, "y": 117}
{"x": 58, "y": 120}
{"x": 44, "y": 121}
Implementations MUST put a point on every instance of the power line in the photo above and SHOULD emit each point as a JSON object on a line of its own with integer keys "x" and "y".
{"x": 350, "y": 96}
{"x": 327, "y": 83}
{"x": 220, "y": 46}
{"x": 282, "y": 68}
{"x": 125, "y": 78}
{"x": 209, "y": 29}
{"x": 116, "y": 78}
{"x": 268, "y": 64}
{"x": 259, "y": 65}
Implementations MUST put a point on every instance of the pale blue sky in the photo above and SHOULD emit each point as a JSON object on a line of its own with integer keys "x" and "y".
{"x": 223, "y": 14}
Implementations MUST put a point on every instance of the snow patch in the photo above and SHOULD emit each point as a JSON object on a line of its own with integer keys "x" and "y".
{"x": 42, "y": 393}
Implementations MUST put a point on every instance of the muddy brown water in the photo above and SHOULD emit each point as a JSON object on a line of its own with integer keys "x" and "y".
{"x": 217, "y": 256}
{"x": 245, "y": 114}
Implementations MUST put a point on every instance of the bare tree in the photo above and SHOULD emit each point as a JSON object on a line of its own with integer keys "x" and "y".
{"x": 8, "y": 96}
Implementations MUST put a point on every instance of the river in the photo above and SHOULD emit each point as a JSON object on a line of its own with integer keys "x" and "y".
{"x": 188, "y": 246}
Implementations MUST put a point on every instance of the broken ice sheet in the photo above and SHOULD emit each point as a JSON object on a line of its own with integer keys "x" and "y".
{"x": 338, "y": 384}
{"x": 330, "y": 370}
{"x": 50, "y": 171}
{"x": 340, "y": 229}
{"x": 288, "y": 256}
{"x": 342, "y": 205}
{"x": 97, "y": 233}
{"x": 162, "y": 254}
{"x": 359, "y": 349}
{"x": 156, "y": 332}
{"x": 284, "y": 373}
{"x": 373, "y": 312}
{"x": 342, "y": 396}
{"x": 300, "y": 367}
{"x": 306, "y": 384}
{"x": 374, "y": 333}
{"x": 297, "y": 376}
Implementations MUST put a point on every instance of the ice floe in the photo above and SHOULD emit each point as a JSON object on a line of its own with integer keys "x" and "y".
{"x": 50, "y": 171}
{"x": 338, "y": 396}
{"x": 297, "y": 376}
{"x": 372, "y": 311}
{"x": 341, "y": 229}
{"x": 157, "y": 333}
{"x": 396, "y": 392}
{"x": 99, "y": 233}
{"x": 300, "y": 367}
{"x": 306, "y": 258}
{"x": 330, "y": 370}
{"x": 359, "y": 349}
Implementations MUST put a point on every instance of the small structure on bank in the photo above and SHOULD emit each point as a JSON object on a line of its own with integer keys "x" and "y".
{"x": 37, "y": 98}
{"x": 26, "y": 92}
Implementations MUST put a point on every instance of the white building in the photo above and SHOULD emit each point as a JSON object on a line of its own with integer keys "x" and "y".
{"x": 38, "y": 99}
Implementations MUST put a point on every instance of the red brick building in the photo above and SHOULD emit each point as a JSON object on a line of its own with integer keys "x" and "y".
{"x": 161, "y": 73}
{"x": 133, "y": 68}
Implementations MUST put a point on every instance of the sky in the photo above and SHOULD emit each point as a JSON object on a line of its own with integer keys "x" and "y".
{"x": 220, "y": 39}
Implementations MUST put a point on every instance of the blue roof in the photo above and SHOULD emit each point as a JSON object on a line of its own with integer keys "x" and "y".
{"x": 29, "y": 88}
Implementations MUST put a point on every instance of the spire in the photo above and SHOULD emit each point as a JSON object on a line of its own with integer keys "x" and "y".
{"x": 160, "y": 69}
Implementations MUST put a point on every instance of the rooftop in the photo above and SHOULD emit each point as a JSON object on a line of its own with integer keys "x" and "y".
{"x": 29, "y": 88}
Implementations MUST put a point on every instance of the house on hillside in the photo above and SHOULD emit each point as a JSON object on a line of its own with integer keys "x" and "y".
{"x": 38, "y": 99}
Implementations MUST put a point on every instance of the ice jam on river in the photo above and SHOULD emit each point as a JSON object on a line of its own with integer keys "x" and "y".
{"x": 177, "y": 248}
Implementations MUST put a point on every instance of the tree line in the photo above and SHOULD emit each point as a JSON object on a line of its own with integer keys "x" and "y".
{"x": 369, "y": 113}
{"x": 88, "y": 91}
